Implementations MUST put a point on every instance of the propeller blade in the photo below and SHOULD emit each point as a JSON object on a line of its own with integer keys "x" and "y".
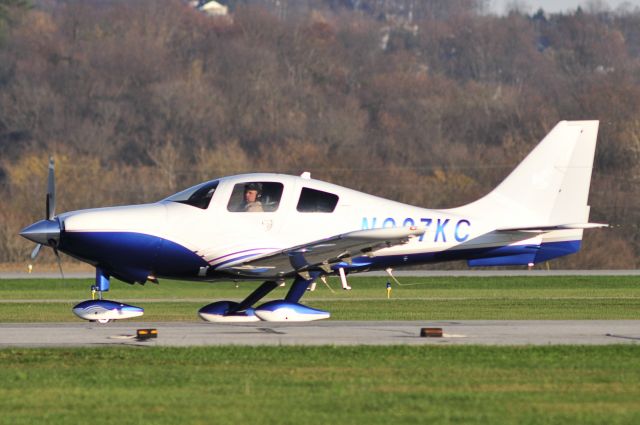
{"x": 46, "y": 232}
{"x": 51, "y": 191}
{"x": 36, "y": 251}
{"x": 59, "y": 263}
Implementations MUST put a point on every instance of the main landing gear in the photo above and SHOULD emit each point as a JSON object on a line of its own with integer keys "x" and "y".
{"x": 101, "y": 310}
{"x": 286, "y": 310}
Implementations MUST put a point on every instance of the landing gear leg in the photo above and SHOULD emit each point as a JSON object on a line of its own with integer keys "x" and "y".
{"x": 102, "y": 284}
{"x": 284, "y": 310}
{"x": 289, "y": 310}
{"x": 260, "y": 292}
{"x": 230, "y": 311}
{"x": 299, "y": 286}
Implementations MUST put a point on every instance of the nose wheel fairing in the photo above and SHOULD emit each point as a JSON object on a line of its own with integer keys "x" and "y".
{"x": 101, "y": 310}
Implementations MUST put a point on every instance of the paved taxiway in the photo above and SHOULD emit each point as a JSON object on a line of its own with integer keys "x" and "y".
{"x": 484, "y": 332}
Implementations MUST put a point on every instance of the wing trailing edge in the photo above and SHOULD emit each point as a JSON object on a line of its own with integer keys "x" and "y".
{"x": 324, "y": 253}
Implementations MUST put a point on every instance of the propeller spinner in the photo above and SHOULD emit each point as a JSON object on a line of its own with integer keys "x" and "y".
{"x": 47, "y": 231}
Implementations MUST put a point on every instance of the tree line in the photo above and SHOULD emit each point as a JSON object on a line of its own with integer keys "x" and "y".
{"x": 137, "y": 100}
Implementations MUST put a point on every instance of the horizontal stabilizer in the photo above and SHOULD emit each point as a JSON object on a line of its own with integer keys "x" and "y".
{"x": 543, "y": 229}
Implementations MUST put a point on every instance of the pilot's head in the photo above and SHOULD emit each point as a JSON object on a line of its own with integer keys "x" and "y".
{"x": 252, "y": 192}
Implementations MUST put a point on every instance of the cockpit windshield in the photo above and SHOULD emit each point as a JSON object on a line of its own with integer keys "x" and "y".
{"x": 198, "y": 196}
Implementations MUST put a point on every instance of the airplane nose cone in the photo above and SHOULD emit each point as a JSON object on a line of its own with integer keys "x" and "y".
{"x": 46, "y": 232}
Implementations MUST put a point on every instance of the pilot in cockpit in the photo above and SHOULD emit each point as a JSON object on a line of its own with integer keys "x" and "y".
{"x": 252, "y": 195}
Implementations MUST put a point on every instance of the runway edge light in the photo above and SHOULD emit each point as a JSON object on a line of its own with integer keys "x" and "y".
{"x": 142, "y": 334}
{"x": 431, "y": 332}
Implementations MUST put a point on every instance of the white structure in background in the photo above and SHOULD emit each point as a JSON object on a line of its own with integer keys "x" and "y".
{"x": 211, "y": 8}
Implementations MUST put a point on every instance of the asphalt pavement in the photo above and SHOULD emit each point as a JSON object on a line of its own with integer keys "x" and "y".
{"x": 183, "y": 334}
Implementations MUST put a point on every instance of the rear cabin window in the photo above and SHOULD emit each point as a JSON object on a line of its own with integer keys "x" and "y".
{"x": 255, "y": 196}
{"x": 312, "y": 200}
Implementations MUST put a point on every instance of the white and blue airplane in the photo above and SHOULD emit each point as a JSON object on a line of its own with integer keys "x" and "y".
{"x": 273, "y": 227}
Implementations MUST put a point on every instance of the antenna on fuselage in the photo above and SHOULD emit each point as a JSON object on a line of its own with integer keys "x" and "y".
{"x": 389, "y": 270}
{"x": 324, "y": 280}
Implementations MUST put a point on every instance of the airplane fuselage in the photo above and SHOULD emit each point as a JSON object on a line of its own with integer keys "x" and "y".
{"x": 172, "y": 239}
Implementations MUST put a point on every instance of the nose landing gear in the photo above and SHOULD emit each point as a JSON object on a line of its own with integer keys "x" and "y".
{"x": 104, "y": 311}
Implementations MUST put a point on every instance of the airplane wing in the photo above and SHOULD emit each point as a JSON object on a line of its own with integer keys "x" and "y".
{"x": 322, "y": 254}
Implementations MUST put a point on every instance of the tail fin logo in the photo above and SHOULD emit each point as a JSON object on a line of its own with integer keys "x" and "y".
{"x": 543, "y": 179}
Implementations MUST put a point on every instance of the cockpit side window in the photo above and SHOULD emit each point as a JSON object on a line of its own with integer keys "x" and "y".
{"x": 197, "y": 196}
{"x": 312, "y": 200}
{"x": 255, "y": 196}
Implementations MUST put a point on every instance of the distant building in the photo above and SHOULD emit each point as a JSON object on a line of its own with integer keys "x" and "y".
{"x": 211, "y": 8}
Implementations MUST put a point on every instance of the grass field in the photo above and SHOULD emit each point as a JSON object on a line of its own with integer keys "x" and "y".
{"x": 337, "y": 385}
{"x": 432, "y": 298}
{"x": 321, "y": 385}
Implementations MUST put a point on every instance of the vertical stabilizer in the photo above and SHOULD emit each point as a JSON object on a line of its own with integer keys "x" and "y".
{"x": 550, "y": 186}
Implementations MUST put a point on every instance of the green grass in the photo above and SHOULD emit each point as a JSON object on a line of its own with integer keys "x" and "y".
{"x": 516, "y": 286}
{"x": 433, "y": 298}
{"x": 341, "y": 385}
{"x": 321, "y": 385}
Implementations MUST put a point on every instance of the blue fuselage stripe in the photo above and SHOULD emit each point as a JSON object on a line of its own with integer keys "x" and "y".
{"x": 135, "y": 254}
